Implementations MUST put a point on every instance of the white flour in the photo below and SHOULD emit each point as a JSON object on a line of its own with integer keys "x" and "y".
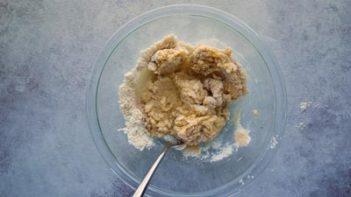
{"x": 241, "y": 135}
{"x": 274, "y": 142}
{"x": 255, "y": 112}
{"x": 304, "y": 105}
{"x": 134, "y": 124}
{"x": 223, "y": 152}
{"x": 300, "y": 125}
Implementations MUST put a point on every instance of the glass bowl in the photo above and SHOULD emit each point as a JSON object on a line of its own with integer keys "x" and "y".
{"x": 178, "y": 176}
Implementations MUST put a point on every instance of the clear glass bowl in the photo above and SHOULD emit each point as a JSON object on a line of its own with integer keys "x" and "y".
{"x": 178, "y": 176}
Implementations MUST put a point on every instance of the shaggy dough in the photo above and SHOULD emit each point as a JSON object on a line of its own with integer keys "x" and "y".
{"x": 188, "y": 89}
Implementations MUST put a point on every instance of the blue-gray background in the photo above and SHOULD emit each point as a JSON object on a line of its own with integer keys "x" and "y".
{"x": 47, "y": 48}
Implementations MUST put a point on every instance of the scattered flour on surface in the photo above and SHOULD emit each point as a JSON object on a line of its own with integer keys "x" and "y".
{"x": 188, "y": 154}
{"x": 223, "y": 152}
{"x": 212, "y": 152}
{"x": 255, "y": 112}
{"x": 300, "y": 125}
{"x": 217, "y": 145}
{"x": 274, "y": 142}
{"x": 305, "y": 105}
{"x": 134, "y": 124}
{"x": 241, "y": 135}
{"x": 250, "y": 177}
{"x": 241, "y": 182}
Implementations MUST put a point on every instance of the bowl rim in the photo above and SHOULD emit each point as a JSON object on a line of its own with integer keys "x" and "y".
{"x": 199, "y": 10}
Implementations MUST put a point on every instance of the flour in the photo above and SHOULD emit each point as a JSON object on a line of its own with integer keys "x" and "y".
{"x": 300, "y": 125}
{"x": 223, "y": 152}
{"x": 241, "y": 182}
{"x": 134, "y": 124}
{"x": 241, "y": 135}
{"x": 274, "y": 142}
{"x": 305, "y": 105}
{"x": 255, "y": 112}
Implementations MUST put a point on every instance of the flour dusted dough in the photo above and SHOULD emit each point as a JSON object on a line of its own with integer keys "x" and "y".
{"x": 184, "y": 90}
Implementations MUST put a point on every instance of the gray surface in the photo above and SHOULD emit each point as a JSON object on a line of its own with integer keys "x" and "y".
{"x": 46, "y": 52}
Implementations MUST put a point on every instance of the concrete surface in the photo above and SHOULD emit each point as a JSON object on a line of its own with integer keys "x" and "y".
{"x": 46, "y": 52}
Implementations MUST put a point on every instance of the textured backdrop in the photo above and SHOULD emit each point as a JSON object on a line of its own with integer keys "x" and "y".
{"x": 47, "y": 48}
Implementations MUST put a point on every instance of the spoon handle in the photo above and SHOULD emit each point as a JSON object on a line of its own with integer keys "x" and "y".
{"x": 143, "y": 185}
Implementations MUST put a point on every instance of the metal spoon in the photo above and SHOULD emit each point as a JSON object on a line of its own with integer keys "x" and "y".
{"x": 143, "y": 185}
